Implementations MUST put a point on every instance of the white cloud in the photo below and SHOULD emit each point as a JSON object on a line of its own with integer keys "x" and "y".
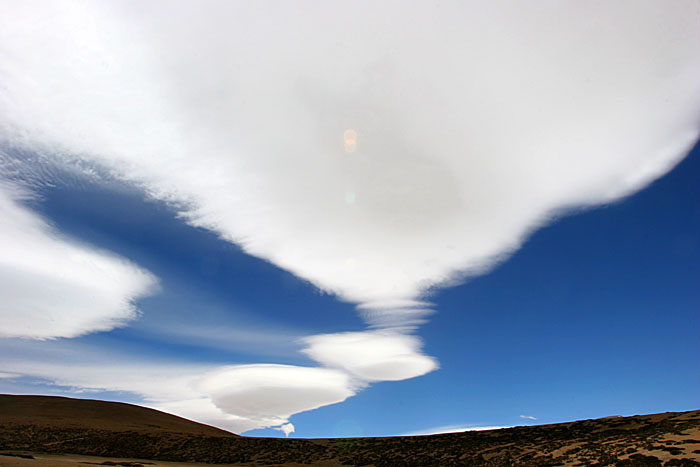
{"x": 273, "y": 393}
{"x": 203, "y": 410}
{"x": 54, "y": 287}
{"x": 528, "y": 417}
{"x": 287, "y": 429}
{"x": 474, "y": 124}
{"x": 236, "y": 398}
{"x": 4, "y": 375}
{"x": 371, "y": 355}
{"x": 452, "y": 429}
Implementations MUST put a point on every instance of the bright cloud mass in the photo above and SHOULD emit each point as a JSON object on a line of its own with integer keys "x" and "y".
{"x": 52, "y": 287}
{"x": 471, "y": 125}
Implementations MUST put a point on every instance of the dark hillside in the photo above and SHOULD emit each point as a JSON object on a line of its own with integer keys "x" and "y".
{"x": 64, "y": 412}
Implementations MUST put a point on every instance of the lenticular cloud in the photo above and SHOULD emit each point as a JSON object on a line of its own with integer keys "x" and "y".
{"x": 54, "y": 287}
{"x": 267, "y": 395}
{"x": 377, "y": 150}
{"x": 372, "y": 355}
{"x": 471, "y": 123}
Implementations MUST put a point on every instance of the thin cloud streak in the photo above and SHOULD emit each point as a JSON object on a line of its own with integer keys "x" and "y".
{"x": 452, "y": 429}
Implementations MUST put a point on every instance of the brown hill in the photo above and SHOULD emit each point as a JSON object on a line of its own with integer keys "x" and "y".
{"x": 65, "y": 412}
{"x": 60, "y": 425}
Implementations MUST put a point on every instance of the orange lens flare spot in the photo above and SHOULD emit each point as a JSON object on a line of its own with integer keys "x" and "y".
{"x": 350, "y": 138}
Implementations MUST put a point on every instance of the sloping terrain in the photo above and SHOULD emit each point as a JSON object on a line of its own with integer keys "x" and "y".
{"x": 60, "y": 425}
{"x": 68, "y": 413}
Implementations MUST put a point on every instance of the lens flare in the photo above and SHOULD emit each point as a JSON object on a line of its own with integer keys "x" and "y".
{"x": 350, "y": 138}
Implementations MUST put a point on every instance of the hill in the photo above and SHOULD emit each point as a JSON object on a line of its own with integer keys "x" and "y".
{"x": 39, "y": 424}
{"x": 67, "y": 413}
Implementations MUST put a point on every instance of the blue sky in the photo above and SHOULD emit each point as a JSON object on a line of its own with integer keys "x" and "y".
{"x": 309, "y": 252}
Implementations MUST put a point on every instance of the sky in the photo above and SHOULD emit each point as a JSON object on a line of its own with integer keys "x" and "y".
{"x": 318, "y": 219}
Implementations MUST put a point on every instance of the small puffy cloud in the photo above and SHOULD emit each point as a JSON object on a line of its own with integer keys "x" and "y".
{"x": 528, "y": 417}
{"x": 287, "y": 428}
{"x": 382, "y": 355}
{"x": 55, "y": 287}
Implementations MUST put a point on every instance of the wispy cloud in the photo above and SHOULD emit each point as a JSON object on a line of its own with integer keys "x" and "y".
{"x": 528, "y": 417}
{"x": 452, "y": 429}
